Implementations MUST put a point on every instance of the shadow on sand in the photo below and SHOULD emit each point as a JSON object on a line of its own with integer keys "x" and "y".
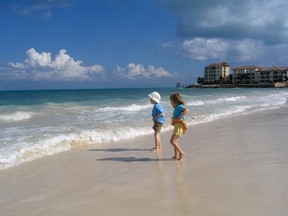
{"x": 127, "y": 159}
{"x": 119, "y": 149}
{"x": 133, "y": 159}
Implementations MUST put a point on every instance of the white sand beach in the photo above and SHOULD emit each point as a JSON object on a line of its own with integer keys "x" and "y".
{"x": 236, "y": 166}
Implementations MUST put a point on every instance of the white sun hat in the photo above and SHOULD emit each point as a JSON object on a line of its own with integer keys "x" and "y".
{"x": 155, "y": 96}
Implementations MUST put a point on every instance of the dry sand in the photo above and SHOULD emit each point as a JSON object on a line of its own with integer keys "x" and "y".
{"x": 234, "y": 167}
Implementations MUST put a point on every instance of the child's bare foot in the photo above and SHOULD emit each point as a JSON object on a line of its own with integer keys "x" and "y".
{"x": 181, "y": 155}
{"x": 155, "y": 149}
{"x": 174, "y": 158}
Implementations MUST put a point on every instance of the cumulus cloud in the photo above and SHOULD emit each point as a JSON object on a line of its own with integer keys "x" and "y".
{"x": 138, "y": 71}
{"x": 220, "y": 49}
{"x": 41, "y": 66}
{"x": 232, "y": 30}
{"x": 202, "y": 49}
{"x": 259, "y": 20}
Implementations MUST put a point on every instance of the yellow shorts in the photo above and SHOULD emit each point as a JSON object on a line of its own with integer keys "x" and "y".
{"x": 178, "y": 130}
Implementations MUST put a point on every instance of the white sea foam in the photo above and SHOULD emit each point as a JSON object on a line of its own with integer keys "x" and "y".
{"x": 15, "y": 116}
{"x": 225, "y": 99}
{"x": 236, "y": 110}
{"x": 130, "y": 108}
{"x": 196, "y": 103}
{"x": 237, "y": 98}
{"x": 27, "y": 152}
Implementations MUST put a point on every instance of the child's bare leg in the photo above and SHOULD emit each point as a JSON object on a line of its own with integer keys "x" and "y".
{"x": 181, "y": 155}
{"x": 175, "y": 157}
{"x": 178, "y": 151}
{"x": 157, "y": 140}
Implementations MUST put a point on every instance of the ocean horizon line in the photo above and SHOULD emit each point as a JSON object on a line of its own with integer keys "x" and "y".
{"x": 71, "y": 89}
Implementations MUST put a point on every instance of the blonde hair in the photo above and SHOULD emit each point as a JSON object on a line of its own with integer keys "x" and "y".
{"x": 177, "y": 98}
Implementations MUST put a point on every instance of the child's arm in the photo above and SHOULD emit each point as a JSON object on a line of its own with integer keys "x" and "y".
{"x": 184, "y": 113}
{"x": 157, "y": 116}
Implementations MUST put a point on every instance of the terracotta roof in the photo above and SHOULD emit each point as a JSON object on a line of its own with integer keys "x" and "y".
{"x": 247, "y": 67}
{"x": 274, "y": 68}
{"x": 222, "y": 64}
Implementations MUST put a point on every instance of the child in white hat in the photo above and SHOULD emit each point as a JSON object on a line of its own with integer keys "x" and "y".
{"x": 157, "y": 117}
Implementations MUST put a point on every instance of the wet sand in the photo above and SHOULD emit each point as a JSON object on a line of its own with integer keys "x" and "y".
{"x": 236, "y": 166}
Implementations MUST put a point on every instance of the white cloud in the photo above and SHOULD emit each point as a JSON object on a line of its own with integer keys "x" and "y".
{"x": 245, "y": 51}
{"x": 231, "y": 18}
{"x": 138, "y": 71}
{"x": 40, "y": 66}
{"x": 220, "y": 49}
{"x": 36, "y": 59}
{"x": 231, "y": 30}
{"x": 203, "y": 49}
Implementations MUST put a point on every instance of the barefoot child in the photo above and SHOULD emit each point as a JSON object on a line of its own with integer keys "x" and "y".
{"x": 178, "y": 121}
{"x": 157, "y": 117}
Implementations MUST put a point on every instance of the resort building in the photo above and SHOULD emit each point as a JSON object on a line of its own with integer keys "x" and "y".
{"x": 216, "y": 73}
{"x": 273, "y": 74}
{"x": 259, "y": 75}
{"x": 246, "y": 74}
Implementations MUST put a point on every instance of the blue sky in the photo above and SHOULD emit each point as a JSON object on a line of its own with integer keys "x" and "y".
{"x": 46, "y": 44}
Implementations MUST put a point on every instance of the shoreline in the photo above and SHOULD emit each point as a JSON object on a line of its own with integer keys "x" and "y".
{"x": 232, "y": 166}
{"x": 167, "y": 128}
{"x": 83, "y": 120}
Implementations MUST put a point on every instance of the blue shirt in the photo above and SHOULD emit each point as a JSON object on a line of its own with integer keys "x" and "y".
{"x": 157, "y": 108}
{"x": 178, "y": 110}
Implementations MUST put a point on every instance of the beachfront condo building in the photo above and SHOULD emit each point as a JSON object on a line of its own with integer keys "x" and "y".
{"x": 217, "y": 73}
{"x": 259, "y": 75}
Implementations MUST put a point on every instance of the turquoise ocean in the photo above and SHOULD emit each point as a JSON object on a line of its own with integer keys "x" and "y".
{"x": 40, "y": 123}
